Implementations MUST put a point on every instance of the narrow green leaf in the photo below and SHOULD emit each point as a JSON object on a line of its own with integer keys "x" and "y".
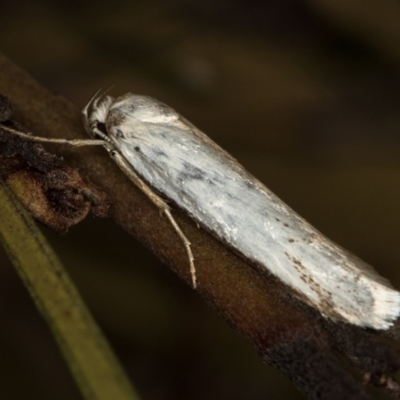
{"x": 92, "y": 362}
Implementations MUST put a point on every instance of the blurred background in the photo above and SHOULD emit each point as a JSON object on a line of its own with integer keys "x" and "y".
{"x": 304, "y": 93}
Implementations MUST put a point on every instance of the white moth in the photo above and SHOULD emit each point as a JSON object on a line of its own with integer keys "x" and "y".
{"x": 152, "y": 143}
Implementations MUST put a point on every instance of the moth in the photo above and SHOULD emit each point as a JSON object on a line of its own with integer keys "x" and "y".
{"x": 161, "y": 152}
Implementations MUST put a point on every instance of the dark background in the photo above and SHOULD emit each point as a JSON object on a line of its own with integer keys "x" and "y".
{"x": 304, "y": 93}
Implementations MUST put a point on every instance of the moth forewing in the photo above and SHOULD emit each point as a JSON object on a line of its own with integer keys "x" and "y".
{"x": 189, "y": 169}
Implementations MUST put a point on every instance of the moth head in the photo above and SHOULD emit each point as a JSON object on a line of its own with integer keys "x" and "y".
{"x": 95, "y": 114}
{"x": 100, "y": 109}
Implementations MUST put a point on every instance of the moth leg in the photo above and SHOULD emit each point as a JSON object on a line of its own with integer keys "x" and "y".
{"x": 39, "y": 139}
{"x": 162, "y": 206}
{"x": 185, "y": 241}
